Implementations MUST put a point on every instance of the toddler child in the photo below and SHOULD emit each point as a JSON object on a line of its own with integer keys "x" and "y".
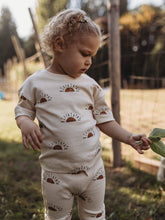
{"x": 71, "y": 110}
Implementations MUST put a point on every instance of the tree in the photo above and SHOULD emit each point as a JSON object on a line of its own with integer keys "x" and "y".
{"x": 29, "y": 46}
{"x": 123, "y": 7}
{"x": 157, "y": 65}
{"x": 7, "y": 29}
{"x": 94, "y": 8}
{"x": 47, "y": 9}
{"x": 139, "y": 31}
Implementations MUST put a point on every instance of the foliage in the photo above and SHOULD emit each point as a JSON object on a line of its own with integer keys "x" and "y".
{"x": 157, "y": 145}
{"x": 29, "y": 45}
{"x": 96, "y": 70}
{"x": 140, "y": 31}
{"x": 98, "y": 8}
{"x": 158, "y": 51}
{"x": 94, "y": 8}
{"x": 47, "y": 9}
{"x": 123, "y": 6}
{"x": 134, "y": 21}
{"x": 142, "y": 45}
{"x": 7, "y": 29}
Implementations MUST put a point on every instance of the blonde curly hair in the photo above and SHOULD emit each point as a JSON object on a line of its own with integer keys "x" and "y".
{"x": 65, "y": 24}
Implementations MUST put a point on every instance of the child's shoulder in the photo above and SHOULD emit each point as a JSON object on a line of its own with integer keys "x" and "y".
{"x": 92, "y": 82}
{"x": 39, "y": 74}
{"x": 88, "y": 78}
{"x": 33, "y": 78}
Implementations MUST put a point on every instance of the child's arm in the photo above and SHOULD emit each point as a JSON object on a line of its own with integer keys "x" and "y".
{"x": 30, "y": 132}
{"x": 114, "y": 130}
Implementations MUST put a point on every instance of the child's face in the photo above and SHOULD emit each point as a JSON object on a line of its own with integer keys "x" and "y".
{"x": 76, "y": 58}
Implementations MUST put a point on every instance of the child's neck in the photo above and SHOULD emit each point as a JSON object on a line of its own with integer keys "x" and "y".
{"x": 55, "y": 68}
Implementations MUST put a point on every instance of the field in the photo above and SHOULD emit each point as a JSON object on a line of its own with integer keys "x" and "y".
{"x": 130, "y": 193}
{"x": 141, "y": 111}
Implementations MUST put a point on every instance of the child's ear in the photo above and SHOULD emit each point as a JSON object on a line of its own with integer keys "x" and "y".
{"x": 59, "y": 44}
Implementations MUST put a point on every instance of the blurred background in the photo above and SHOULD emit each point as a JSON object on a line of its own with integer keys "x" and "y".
{"x": 142, "y": 36}
{"x": 130, "y": 193}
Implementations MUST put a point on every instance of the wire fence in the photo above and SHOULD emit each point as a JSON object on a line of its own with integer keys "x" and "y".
{"x": 142, "y": 100}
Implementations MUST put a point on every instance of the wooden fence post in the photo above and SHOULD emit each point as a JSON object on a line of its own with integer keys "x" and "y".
{"x": 46, "y": 63}
{"x": 20, "y": 53}
{"x": 113, "y": 9}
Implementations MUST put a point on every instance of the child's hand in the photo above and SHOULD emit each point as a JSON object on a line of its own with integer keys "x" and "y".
{"x": 30, "y": 132}
{"x": 139, "y": 142}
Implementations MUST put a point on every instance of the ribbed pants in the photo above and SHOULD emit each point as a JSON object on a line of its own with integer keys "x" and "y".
{"x": 59, "y": 191}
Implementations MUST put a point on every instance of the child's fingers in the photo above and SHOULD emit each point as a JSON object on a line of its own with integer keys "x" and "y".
{"x": 146, "y": 141}
{"x": 139, "y": 150}
{"x": 142, "y": 145}
{"x": 31, "y": 142}
{"x": 37, "y": 139}
{"x": 39, "y": 135}
{"x": 24, "y": 140}
{"x": 145, "y": 147}
{"x": 34, "y": 140}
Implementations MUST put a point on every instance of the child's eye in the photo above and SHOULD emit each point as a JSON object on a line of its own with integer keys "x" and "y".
{"x": 85, "y": 54}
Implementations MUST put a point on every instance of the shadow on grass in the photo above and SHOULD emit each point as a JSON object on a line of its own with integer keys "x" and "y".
{"x": 130, "y": 194}
{"x": 20, "y": 193}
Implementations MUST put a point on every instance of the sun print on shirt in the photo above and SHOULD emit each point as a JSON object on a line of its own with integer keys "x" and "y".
{"x": 101, "y": 111}
{"x": 97, "y": 87}
{"x": 70, "y": 117}
{"x": 69, "y": 88}
{"x": 58, "y": 145}
{"x": 89, "y": 107}
{"x": 89, "y": 133}
{"x": 99, "y": 175}
{"x": 44, "y": 98}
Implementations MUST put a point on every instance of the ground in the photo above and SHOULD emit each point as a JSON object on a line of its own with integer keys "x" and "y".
{"x": 130, "y": 193}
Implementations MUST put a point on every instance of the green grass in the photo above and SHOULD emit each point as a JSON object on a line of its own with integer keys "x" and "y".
{"x": 133, "y": 194}
{"x": 130, "y": 194}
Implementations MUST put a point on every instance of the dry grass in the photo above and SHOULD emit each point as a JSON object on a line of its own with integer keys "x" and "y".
{"x": 141, "y": 111}
{"x": 130, "y": 193}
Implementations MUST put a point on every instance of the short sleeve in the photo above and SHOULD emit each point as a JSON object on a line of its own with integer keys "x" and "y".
{"x": 102, "y": 112}
{"x": 26, "y": 103}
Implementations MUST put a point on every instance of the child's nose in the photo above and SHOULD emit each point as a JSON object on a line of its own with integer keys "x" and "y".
{"x": 88, "y": 61}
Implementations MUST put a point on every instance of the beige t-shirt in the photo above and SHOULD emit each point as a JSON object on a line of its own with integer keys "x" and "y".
{"x": 68, "y": 111}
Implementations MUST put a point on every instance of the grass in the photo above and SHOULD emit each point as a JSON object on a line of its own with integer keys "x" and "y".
{"x": 130, "y": 194}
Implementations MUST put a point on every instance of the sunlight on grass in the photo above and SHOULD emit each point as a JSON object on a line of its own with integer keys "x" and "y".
{"x": 133, "y": 195}
{"x": 8, "y": 129}
{"x": 130, "y": 193}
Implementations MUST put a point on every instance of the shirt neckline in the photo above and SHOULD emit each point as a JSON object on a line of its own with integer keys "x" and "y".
{"x": 57, "y": 75}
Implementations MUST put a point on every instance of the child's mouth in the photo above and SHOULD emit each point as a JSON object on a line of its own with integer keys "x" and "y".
{"x": 83, "y": 70}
